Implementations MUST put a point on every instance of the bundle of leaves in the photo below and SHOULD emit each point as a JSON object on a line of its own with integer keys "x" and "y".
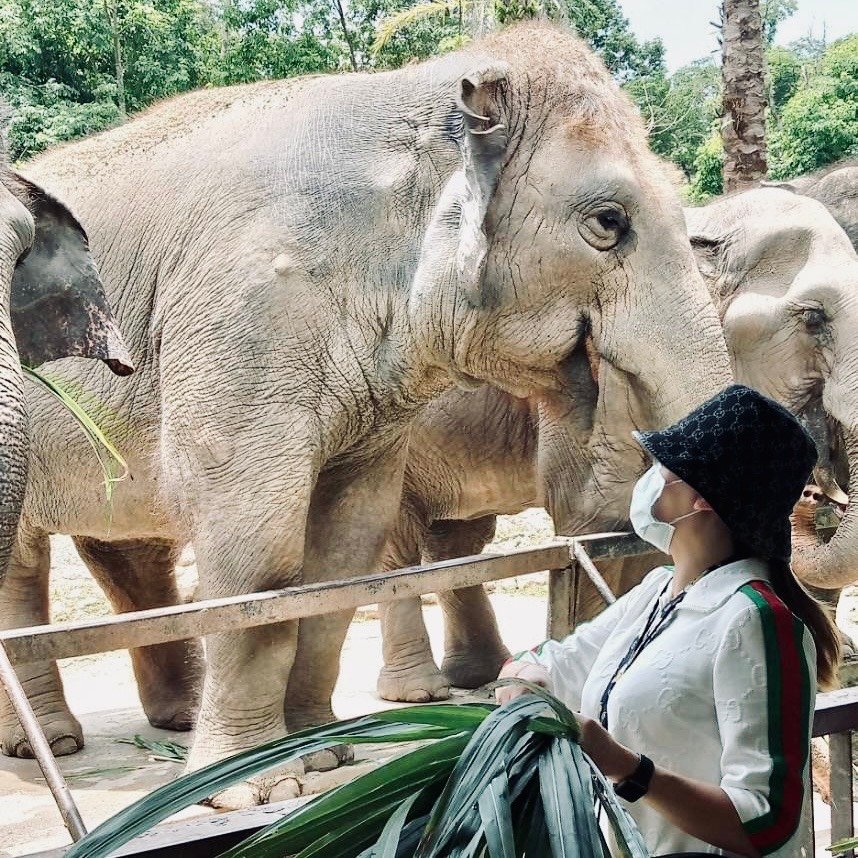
{"x": 488, "y": 782}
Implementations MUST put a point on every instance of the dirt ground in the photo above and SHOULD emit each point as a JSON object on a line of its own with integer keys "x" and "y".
{"x": 109, "y": 774}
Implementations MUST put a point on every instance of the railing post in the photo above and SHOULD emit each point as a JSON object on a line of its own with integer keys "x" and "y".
{"x": 562, "y": 600}
{"x": 840, "y": 752}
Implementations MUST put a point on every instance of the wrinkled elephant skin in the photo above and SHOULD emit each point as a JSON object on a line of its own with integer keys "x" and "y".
{"x": 298, "y": 267}
{"x": 785, "y": 282}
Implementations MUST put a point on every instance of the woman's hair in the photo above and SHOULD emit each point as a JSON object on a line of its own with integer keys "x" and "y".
{"x": 815, "y": 616}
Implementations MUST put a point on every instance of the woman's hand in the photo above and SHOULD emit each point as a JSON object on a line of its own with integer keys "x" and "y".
{"x": 525, "y": 670}
{"x": 615, "y": 761}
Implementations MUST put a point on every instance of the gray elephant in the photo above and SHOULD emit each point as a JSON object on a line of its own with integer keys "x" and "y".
{"x": 836, "y": 187}
{"x": 785, "y": 283}
{"x": 299, "y": 267}
{"x": 54, "y": 306}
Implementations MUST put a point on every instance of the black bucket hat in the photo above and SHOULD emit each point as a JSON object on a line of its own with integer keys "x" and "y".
{"x": 748, "y": 457}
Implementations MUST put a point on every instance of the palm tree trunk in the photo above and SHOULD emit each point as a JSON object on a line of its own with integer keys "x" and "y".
{"x": 743, "y": 128}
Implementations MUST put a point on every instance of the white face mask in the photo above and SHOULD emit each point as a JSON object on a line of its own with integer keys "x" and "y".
{"x": 646, "y": 493}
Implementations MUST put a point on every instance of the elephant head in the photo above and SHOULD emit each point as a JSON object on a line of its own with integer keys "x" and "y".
{"x": 54, "y": 307}
{"x": 836, "y": 187}
{"x": 784, "y": 277}
{"x": 560, "y": 227}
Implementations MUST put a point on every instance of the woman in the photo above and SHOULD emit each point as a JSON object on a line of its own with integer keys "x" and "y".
{"x": 696, "y": 688}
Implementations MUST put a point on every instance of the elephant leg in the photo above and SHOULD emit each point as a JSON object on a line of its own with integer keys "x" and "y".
{"x": 409, "y": 673}
{"x": 24, "y": 602}
{"x": 136, "y": 574}
{"x": 473, "y": 649}
{"x": 352, "y": 514}
{"x": 247, "y": 528}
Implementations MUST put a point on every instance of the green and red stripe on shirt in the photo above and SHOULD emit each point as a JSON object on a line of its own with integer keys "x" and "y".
{"x": 789, "y": 694}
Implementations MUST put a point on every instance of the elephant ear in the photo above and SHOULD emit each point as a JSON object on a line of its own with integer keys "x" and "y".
{"x": 484, "y": 143}
{"x": 710, "y": 246}
{"x": 58, "y": 305}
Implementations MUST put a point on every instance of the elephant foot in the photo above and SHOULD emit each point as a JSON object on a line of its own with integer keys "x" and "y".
{"x": 414, "y": 685}
{"x": 173, "y": 713}
{"x": 280, "y": 785}
{"x": 64, "y": 735}
{"x": 471, "y": 669}
{"x": 329, "y": 759}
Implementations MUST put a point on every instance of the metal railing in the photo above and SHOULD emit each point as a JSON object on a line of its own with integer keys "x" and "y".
{"x": 570, "y": 561}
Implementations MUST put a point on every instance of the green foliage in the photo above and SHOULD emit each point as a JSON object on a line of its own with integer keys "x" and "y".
{"x": 773, "y": 12}
{"x": 708, "y": 179}
{"x": 819, "y": 123}
{"x": 603, "y": 26}
{"x": 785, "y": 75}
{"x": 504, "y": 782}
{"x": 680, "y": 111}
{"x": 599, "y": 22}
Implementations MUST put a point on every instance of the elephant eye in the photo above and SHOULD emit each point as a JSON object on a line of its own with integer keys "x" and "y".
{"x": 814, "y": 320}
{"x": 604, "y": 227}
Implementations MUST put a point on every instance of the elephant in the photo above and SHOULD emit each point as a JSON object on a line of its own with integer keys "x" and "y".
{"x": 299, "y": 267}
{"x": 54, "y": 306}
{"x": 785, "y": 282}
{"x": 836, "y": 187}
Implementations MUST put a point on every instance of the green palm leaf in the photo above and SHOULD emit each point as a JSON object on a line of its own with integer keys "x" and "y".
{"x": 391, "y": 25}
{"x": 195, "y": 786}
{"x": 489, "y": 782}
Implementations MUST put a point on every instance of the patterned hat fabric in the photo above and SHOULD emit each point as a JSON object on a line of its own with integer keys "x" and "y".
{"x": 748, "y": 457}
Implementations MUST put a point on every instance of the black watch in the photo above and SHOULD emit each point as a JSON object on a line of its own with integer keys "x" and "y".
{"x": 636, "y": 785}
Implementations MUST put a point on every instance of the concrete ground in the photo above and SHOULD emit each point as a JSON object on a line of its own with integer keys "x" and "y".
{"x": 109, "y": 774}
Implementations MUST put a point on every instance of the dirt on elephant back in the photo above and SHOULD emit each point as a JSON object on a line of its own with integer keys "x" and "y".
{"x": 112, "y": 771}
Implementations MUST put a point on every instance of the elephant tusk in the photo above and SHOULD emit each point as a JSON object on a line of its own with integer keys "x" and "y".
{"x": 824, "y": 478}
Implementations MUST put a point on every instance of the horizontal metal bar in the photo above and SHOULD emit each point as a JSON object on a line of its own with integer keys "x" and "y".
{"x": 609, "y": 546}
{"x": 197, "y": 619}
{"x": 836, "y": 712}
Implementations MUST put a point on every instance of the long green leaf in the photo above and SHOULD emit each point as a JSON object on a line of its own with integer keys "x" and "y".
{"x": 461, "y": 716}
{"x": 94, "y": 434}
{"x": 384, "y": 787}
{"x": 560, "y": 817}
{"x": 185, "y": 791}
{"x": 564, "y": 714}
{"x": 496, "y": 815}
{"x": 387, "y": 844}
{"x": 455, "y": 816}
{"x": 629, "y": 840}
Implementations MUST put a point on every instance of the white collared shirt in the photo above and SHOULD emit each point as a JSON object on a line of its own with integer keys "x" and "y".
{"x": 723, "y": 695}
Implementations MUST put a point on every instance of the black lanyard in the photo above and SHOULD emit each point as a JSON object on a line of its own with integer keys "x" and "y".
{"x": 656, "y": 623}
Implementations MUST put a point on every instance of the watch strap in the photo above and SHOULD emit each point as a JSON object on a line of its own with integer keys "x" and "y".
{"x": 636, "y": 785}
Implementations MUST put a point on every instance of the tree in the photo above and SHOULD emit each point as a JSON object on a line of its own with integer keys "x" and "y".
{"x": 819, "y": 123}
{"x": 599, "y": 22}
{"x": 680, "y": 111}
{"x": 743, "y": 128}
{"x": 772, "y": 13}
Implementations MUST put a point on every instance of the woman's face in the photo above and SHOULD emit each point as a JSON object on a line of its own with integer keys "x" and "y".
{"x": 677, "y": 498}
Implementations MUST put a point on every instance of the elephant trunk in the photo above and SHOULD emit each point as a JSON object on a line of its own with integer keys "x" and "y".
{"x": 14, "y": 440}
{"x": 834, "y": 564}
{"x": 671, "y": 347}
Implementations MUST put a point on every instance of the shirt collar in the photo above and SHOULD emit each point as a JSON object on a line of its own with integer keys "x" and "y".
{"x": 714, "y": 588}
